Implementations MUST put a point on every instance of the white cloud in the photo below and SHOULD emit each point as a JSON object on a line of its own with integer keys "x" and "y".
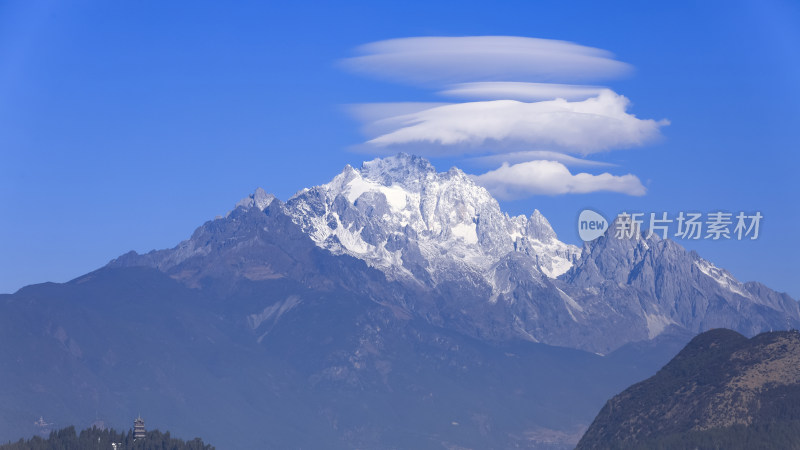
{"x": 531, "y": 155}
{"x": 436, "y": 60}
{"x": 520, "y": 94}
{"x": 526, "y": 92}
{"x": 552, "y": 178}
{"x": 501, "y": 126}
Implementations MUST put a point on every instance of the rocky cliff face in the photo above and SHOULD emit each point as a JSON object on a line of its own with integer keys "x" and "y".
{"x": 659, "y": 285}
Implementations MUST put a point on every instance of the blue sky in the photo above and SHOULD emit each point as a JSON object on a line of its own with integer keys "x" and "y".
{"x": 125, "y": 125}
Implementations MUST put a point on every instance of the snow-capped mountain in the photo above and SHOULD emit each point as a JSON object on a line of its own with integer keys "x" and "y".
{"x": 401, "y": 216}
{"x": 392, "y": 285}
{"x": 439, "y": 247}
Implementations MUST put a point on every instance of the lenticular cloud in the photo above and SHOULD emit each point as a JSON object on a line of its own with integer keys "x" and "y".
{"x": 552, "y": 178}
{"x": 432, "y": 60}
{"x": 526, "y": 92}
{"x": 589, "y": 126}
{"x": 514, "y": 102}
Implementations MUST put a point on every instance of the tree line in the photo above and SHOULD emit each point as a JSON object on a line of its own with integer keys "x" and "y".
{"x": 96, "y": 438}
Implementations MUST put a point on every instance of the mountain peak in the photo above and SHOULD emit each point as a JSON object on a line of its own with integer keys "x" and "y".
{"x": 539, "y": 227}
{"x": 260, "y": 199}
{"x": 398, "y": 169}
{"x": 402, "y": 216}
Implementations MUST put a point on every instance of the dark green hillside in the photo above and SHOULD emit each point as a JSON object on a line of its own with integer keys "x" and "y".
{"x": 722, "y": 391}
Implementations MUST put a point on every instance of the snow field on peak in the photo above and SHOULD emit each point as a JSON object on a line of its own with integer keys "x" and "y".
{"x": 398, "y": 213}
{"x": 723, "y": 278}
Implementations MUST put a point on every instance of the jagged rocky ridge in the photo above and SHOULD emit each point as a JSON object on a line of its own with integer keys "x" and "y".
{"x": 442, "y": 249}
{"x": 413, "y": 223}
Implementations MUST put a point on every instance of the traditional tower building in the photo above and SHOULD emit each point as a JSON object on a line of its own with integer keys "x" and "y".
{"x": 138, "y": 428}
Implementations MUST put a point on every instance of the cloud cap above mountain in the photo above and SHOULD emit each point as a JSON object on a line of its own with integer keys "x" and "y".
{"x": 519, "y": 103}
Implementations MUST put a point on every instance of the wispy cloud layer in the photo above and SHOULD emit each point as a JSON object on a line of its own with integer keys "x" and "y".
{"x": 588, "y": 126}
{"x": 381, "y": 118}
{"x": 552, "y": 178}
{"x": 533, "y": 155}
{"x": 526, "y": 92}
{"x": 426, "y": 60}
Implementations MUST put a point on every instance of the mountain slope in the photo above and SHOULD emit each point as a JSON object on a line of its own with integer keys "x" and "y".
{"x": 249, "y": 325}
{"x": 274, "y": 363}
{"x": 721, "y": 391}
